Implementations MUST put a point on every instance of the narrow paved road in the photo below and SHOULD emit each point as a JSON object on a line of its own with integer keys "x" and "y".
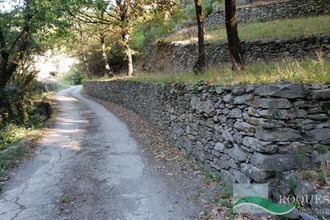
{"x": 89, "y": 167}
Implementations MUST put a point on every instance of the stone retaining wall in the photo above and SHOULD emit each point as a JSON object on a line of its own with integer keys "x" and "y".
{"x": 172, "y": 57}
{"x": 246, "y": 133}
{"x": 273, "y": 11}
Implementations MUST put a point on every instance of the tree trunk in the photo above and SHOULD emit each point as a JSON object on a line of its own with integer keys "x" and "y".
{"x": 232, "y": 35}
{"x": 200, "y": 64}
{"x": 123, "y": 14}
{"x": 105, "y": 55}
{"x": 85, "y": 62}
{"x": 128, "y": 52}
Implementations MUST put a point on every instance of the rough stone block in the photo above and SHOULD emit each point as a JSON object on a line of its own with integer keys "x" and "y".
{"x": 288, "y": 90}
{"x": 320, "y": 94}
{"x": 235, "y": 113}
{"x": 237, "y": 153}
{"x": 279, "y": 162}
{"x": 260, "y": 146}
{"x": 243, "y": 126}
{"x": 320, "y": 134}
{"x": 274, "y": 103}
{"x": 254, "y": 172}
{"x": 278, "y": 134}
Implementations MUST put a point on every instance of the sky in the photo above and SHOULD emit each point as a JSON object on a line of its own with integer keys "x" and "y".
{"x": 8, "y": 5}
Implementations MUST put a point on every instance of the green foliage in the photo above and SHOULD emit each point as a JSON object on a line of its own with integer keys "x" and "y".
{"x": 292, "y": 183}
{"x": 16, "y": 98}
{"x": 47, "y": 25}
{"x": 197, "y": 86}
{"x": 323, "y": 177}
{"x": 271, "y": 29}
{"x": 146, "y": 34}
{"x": 10, "y": 134}
{"x": 225, "y": 193}
{"x": 322, "y": 149}
{"x": 66, "y": 199}
{"x": 74, "y": 77}
{"x": 307, "y": 175}
{"x": 267, "y": 73}
{"x": 117, "y": 57}
{"x": 189, "y": 10}
{"x": 279, "y": 175}
{"x": 9, "y": 158}
{"x": 260, "y": 19}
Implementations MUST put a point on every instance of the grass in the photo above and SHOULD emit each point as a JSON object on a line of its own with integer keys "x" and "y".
{"x": 8, "y": 160}
{"x": 285, "y": 28}
{"x": 266, "y": 73}
{"x": 66, "y": 199}
{"x": 12, "y": 148}
{"x": 11, "y": 134}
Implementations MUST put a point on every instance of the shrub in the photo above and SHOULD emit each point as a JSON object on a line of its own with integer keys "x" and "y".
{"x": 75, "y": 76}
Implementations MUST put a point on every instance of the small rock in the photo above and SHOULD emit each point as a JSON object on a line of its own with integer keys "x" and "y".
{"x": 258, "y": 145}
{"x": 219, "y": 90}
{"x": 238, "y": 90}
{"x": 219, "y": 147}
{"x": 227, "y": 135}
{"x": 254, "y": 172}
{"x": 238, "y": 138}
{"x": 237, "y": 153}
{"x": 294, "y": 147}
{"x": 240, "y": 177}
{"x": 239, "y": 100}
{"x": 303, "y": 188}
{"x": 320, "y": 200}
{"x": 243, "y": 126}
{"x": 228, "y": 98}
{"x": 227, "y": 177}
{"x": 208, "y": 107}
{"x": 235, "y": 113}
{"x": 195, "y": 102}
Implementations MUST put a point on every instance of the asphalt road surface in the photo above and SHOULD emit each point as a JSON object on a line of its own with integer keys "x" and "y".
{"x": 88, "y": 166}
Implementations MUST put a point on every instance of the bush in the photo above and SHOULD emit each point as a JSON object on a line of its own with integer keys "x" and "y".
{"x": 11, "y": 133}
{"x": 75, "y": 76}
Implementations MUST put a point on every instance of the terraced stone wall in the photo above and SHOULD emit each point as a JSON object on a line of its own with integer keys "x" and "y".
{"x": 174, "y": 57}
{"x": 272, "y": 11}
{"x": 245, "y": 133}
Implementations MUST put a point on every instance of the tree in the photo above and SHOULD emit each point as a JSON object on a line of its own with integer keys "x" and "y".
{"x": 200, "y": 64}
{"x": 124, "y": 17}
{"x": 232, "y": 35}
{"x": 119, "y": 15}
{"x": 26, "y": 29}
{"x": 13, "y": 52}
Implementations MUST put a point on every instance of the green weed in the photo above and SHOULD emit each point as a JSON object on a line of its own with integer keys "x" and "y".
{"x": 263, "y": 73}
{"x": 271, "y": 29}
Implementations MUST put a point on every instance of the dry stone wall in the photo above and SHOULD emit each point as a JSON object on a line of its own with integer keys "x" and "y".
{"x": 273, "y": 11}
{"x": 246, "y": 133}
{"x": 173, "y": 57}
